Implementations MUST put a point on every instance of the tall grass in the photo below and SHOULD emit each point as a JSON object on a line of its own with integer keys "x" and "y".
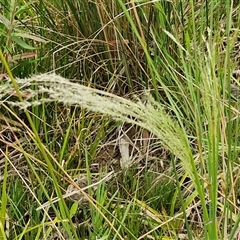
{"x": 163, "y": 66}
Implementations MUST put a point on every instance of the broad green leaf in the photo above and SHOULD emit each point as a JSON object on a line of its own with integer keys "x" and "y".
{"x": 73, "y": 209}
{"x": 5, "y": 21}
{"x": 29, "y": 36}
{"x": 3, "y": 32}
{"x": 24, "y": 8}
{"x": 21, "y": 43}
{"x": 3, "y": 206}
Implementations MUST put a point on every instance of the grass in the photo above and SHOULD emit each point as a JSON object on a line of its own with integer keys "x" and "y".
{"x": 138, "y": 138}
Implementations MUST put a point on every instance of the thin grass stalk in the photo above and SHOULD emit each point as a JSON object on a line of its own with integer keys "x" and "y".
{"x": 143, "y": 45}
{"x": 43, "y": 188}
{"x": 121, "y": 224}
{"x": 4, "y": 196}
{"x": 64, "y": 146}
{"x": 229, "y": 140}
{"x": 182, "y": 201}
{"x": 102, "y": 12}
{"x": 214, "y": 116}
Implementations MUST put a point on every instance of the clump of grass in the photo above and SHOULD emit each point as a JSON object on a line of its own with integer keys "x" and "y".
{"x": 172, "y": 136}
{"x": 181, "y": 54}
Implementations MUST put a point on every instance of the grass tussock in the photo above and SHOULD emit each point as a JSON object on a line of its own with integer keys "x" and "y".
{"x": 119, "y": 120}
